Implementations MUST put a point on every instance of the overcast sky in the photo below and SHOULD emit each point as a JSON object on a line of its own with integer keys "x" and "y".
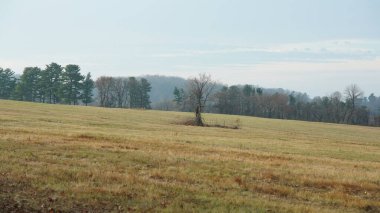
{"x": 316, "y": 46}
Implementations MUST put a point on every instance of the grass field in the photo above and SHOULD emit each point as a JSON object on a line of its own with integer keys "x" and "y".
{"x": 73, "y": 158}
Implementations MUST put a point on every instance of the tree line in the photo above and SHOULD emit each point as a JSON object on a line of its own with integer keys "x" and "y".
{"x": 349, "y": 107}
{"x": 66, "y": 85}
{"x": 56, "y": 84}
{"x": 123, "y": 92}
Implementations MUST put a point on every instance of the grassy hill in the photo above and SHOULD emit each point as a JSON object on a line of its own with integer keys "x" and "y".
{"x": 74, "y": 158}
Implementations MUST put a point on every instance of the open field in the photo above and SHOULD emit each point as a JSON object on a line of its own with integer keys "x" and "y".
{"x": 72, "y": 158}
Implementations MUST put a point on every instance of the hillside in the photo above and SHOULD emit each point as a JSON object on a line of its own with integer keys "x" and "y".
{"x": 163, "y": 87}
{"x": 75, "y": 158}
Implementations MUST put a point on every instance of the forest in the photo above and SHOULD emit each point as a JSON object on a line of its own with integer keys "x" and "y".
{"x": 66, "y": 85}
{"x": 56, "y": 84}
{"x": 351, "y": 107}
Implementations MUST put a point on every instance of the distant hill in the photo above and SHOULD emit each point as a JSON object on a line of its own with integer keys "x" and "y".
{"x": 163, "y": 86}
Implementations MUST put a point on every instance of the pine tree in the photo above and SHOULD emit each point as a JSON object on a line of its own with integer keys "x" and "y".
{"x": 7, "y": 83}
{"x": 145, "y": 88}
{"x": 133, "y": 92}
{"x": 179, "y": 98}
{"x": 71, "y": 84}
{"x": 52, "y": 82}
{"x": 88, "y": 86}
{"x": 28, "y": 88}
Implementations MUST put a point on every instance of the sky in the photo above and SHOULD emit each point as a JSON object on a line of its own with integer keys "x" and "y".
{"x": 313, "y": 46}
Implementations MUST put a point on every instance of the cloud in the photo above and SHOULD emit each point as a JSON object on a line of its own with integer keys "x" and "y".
{"x": 287, "y": 67}
{"x": 343, "y": 65}
{"x": 324, "y": 51}
{"x": 315, "y": 78}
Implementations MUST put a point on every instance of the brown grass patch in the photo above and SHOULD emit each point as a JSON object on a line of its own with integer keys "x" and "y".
{"x": 350, "y": 188}
{"x": 225, "y": 124}
{"x": 127, "y": 147}
{"x": 239, "y": 181}
{"x": 279, "y": 191}
{"x": 269, "y": 176}
{"x": 86, "y": 137}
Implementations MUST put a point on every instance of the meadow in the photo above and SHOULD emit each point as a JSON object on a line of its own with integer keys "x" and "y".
{"x": 78, "y": 159}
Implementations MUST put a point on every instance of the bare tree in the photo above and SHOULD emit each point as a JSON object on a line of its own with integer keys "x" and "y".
{"x": 119, "y": 88}
{"x": 104, "y": 85}
{"x": 353, "y": 93}
{"x": 337, "y": 106}
{"x": 200, "y": 89}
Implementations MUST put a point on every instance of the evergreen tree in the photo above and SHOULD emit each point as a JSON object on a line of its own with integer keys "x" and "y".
{"x": 71, "y": 84}
{"x": 145, "y": 88}
{"x": 259, "y": 91}
{"x": 88, "y": 86}
{"x": 133, "y": 92}
{"x": 178, "y": 96}
{"x": 28, "y": 88}
{"x": 52, "y": 82}
{"x": 248, "y": 90}
{"x": 7, "y": 83}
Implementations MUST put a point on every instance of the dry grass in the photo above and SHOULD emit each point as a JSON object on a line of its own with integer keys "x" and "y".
{"x": 189, "y": 121}
{"x": 85, "y": 158}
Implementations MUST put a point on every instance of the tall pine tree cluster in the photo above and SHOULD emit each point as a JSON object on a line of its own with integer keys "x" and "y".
{"x": 54, "y": 84}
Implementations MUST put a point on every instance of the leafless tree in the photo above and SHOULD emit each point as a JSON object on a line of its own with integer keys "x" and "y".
{"x": 336, "y": 106}
{"x": 119, "y": 87}
{"x": 353, "y": 93}
{"x": 200, "y": 89}
{"x": 103, "y": 85}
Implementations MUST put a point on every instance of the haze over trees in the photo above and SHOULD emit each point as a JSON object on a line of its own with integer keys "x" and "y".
{"x": 335, "y": 108}
{"x": 348, "y": 108}
{"x": 163, "y": 87}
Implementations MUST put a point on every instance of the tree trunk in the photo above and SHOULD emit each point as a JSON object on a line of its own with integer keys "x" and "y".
{"x": 198, "y": 117}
